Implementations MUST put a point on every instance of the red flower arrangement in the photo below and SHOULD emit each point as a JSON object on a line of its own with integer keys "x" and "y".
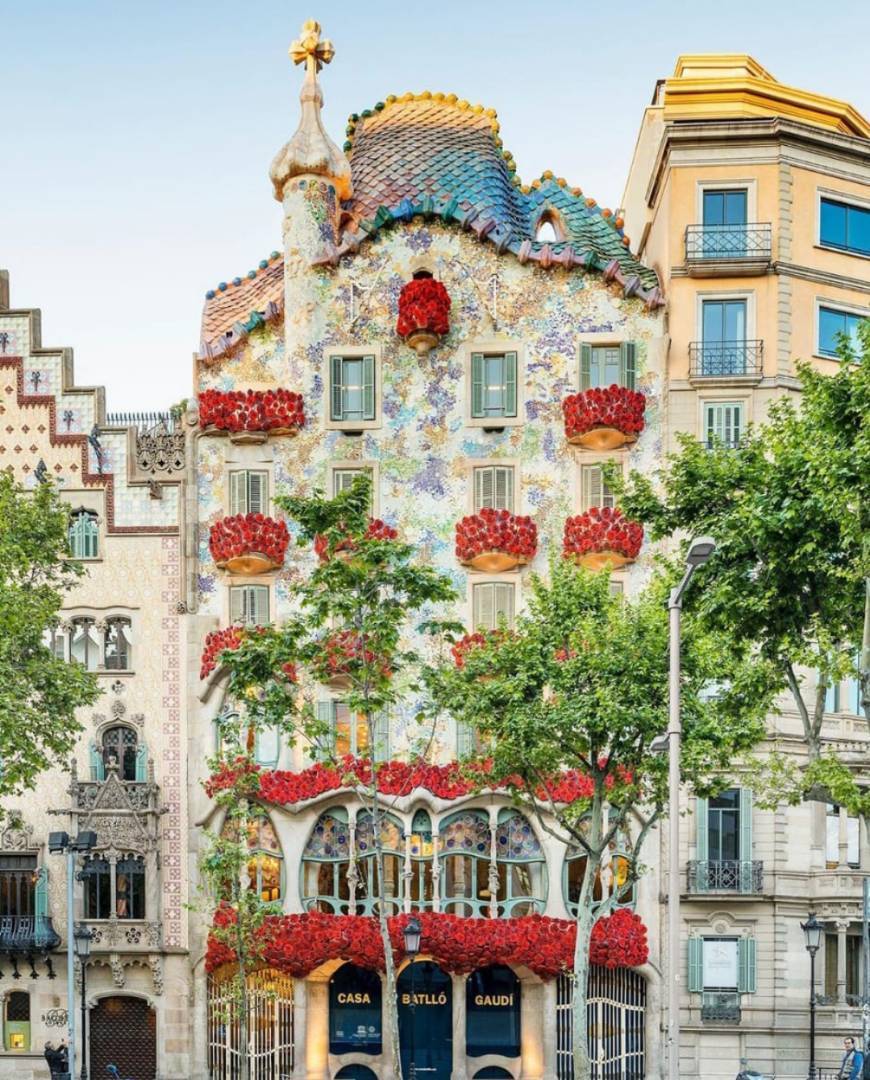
{"x": 248, "y": 543}
{"x": 279, "y": 411}
{"x": 299, "y": 944}
{"x": 217, "y": 642}
{"x": 496, "y": 540}
{"x": 602, "y": 539}
{"x": 424, "y": 313}
{"x": 604, "y": 417}
{"x": 377, "y": 530}
{"x": 342, "y": 653}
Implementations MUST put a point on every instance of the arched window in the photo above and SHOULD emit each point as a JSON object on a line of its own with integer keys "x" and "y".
{"x": 422, "y": 884}
{"x": 522, "y": 886}
{"x": 16, "y": 1025}
{"x": 130, "y": 889}
{"x": 85, "y": 644}
{"x": 119, "y": 642}
{"x": 84, "y": 534}
{"x": 368, "y": 889}
{"x": 266, "y": 861}
{"x": 549, "y": 229}
{"x": 465, "y": 861}
{"x": 121, "y": 745}
{"x": 325, "y": 863}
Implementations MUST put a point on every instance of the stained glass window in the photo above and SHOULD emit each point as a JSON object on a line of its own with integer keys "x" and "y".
{"x": 325, "y": 864}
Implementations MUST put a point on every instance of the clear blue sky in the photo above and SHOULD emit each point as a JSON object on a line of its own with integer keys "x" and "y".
{"x": 137, "y": 137}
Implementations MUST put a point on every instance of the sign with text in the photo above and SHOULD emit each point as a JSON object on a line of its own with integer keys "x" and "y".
{"x": 492, "y": 1012}
{"x": 355, "y": 1011}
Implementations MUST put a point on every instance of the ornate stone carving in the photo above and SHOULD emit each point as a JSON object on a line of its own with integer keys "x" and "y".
{"x": 160, "y": 450}
{"x": 15, "y": 834}
{"x": 117, "y": 969}
{"x": 155, "y": 962}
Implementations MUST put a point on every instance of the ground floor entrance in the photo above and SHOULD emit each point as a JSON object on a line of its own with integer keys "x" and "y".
{"x": 123, "y": 1032}
{"x": 425, "y": 995}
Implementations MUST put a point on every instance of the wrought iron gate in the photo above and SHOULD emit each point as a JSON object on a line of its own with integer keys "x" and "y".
{"x": 270, "y": 1026}
{"x": 123, "y": 1032}
{"x": 615, "y": 1016}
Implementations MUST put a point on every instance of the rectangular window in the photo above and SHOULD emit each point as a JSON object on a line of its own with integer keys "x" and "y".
{"x": 832, "y": 323}
{"x": 720, "y": 964}
{"x": 845, "y": 227}
{"x": 608, "y": 365}
{"x": 493, "y": 385}
{"x": 594, "y": 490}
{"x": 724, "y": 235}
{"x": 249, "y": 604}
{"x": 494, "y": 488}
{"x": 853, "y": 966}
{"x": 832, "y": 838}
{"x": 348, "y": 732}
{"x": 723, "y": 423}
{"x": 725, "y": 207}
{"x": 249, "y": 492}
{"x": 352, "y": 392}
{"x": 492, "y": 603}
{"x": 723, "y": 829}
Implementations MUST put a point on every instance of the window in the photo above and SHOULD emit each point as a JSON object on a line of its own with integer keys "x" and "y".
{"x": 494, "y": 488}
{"x": 845, "y": 227}
{"x": 325, "y": 863}
{"x": 723, "y": 829}
{"x": 249, "y": 604}
{"x": 97, "y": 877}
{"x": 120, "y": 744}
{"x": 521, "y": 867}
{"x": 467, "y": 740}
{"x": 348, "y": 732}
{"x": 492, "y": 603}
{"x": 84, "y": 534}
{"x": 546, "y": 231}
{"x": 493, "y": 385}
{"x": 465, "y": 859}
{"x": 724, "y": 215}
{"x": 85, "y": 644}
{"x": 130, "y": 889}
{"x": 18, "y": 874}
{"x": 853, "y": 966}
{"x": 267, "y": 746}
{"x": 836, "y": 814}
{"x": 833, "y": 323}
{"x": 119, "y": 639}
{"x": 352, "y": 393}
{"x": 594, "y": 491}
{"x": 608, "y": 365}
{"x": 723, "y": 333}
{"x": 249, "y": 492}
{"x": 392, "y": 844}
{"x": 723, "y": 423}
{"x": 55, "y": 641}
{"x": 422, "y": 883}
{"x": 343, "y": 477}
{"x": 722, "y": 964}
{"x": 724, "y": 845}
{"x": 16, "y": 1022}
{"x": 265, "y": 860}
{"x": 615, "y": 874}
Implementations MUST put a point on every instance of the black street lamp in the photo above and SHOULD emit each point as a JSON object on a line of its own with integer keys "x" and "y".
{"x": 83, "y": 940}
{"x": 413, "y": 932}
{"x": 812, "y": 929}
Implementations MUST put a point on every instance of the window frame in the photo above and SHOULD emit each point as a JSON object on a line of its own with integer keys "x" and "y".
{"x": 336, "y": 903}
{"x": 707, "y": 403}
{"x": 749, "y": 185}
{"x": 357, "y": 465}
{"x": 505, "y": 904}
{"x": 265, "y": 493}
{"x": 512, "y": 578}
{"x": 493, "y": 463}
{"x": 242, "y": 583}
{"x": 480, "y": 906}
{"x": 608, "y": 340}
{"x": 88, "y": 512}
{"x": 495, "y": 347}
{"x": 592, "y": 461}
{"x": 354, "y": 352}
{"x": 851, "y": 202}
{"x": 120, "y": 621}
{"x": 836, "y": 306}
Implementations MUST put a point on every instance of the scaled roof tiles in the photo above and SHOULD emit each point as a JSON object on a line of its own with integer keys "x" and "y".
{"x": 431, "y": 156}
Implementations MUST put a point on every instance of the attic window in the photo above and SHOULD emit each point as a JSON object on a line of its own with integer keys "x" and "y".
{"x": 549, "y": 229}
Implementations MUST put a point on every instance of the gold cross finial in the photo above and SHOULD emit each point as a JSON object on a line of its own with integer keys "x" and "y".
{"x": 309, "y": 49}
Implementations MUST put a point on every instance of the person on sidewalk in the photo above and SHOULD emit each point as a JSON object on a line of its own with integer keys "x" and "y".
{"x": 852, "y": 1065}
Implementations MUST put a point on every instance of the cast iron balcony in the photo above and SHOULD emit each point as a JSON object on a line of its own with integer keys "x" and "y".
{"x": 726, "y": 359}
{"x": 728, "y": 250}
{"x": 721, "y": 1005}
{"x": 728, "y": 875}
{"x": 27, "y": 934}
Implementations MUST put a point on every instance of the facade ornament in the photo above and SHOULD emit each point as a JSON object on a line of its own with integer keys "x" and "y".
{"x": 55, "y": 1018}
{"x": 15, "y": 834}
{"x": 41, "y": 472}
{"x": 155, "y": 962}
{"x": 99, "y": 452}
{"x": 117, "y": 687}
{"x": 159, "y": 450}
{"x": 117, "y": 969}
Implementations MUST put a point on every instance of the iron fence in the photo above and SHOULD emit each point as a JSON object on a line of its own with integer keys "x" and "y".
{"x": 726, "y": 875}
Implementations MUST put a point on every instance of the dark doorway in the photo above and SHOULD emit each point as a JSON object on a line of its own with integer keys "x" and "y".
{"x": 426, "y": 1020}
{"x": 492, "y": 1012}
{"x": 355, "y": 1011}
{"x": 123, "y": 1032}
{"x": 355, "y": 1072}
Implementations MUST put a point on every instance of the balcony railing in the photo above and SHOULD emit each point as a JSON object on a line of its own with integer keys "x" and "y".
{"x": 725, "y": 359}
{"x": 735, "y": 876}
{"x": 728, "y": 243}
{"x": 27, "y": 934}
{"x": 721, "y": 1005}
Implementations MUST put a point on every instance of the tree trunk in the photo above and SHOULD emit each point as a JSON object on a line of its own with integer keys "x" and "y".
{"x": 244, "y": 1065}
{"x": 585, "y": 921}
{"x": 391, "y": 1011}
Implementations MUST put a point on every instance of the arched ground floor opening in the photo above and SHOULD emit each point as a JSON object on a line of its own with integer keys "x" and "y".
{"x": 123, "y": 1032}
{"x": 615, "y": 1012}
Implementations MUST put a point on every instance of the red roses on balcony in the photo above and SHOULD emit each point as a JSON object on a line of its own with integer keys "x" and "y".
{"x": 343, "y": 655}
{"x": 377, "y": 530}
{"x": 604, "y": 417}
{"x": 424, "y": 313}
{"x": 602, "y": 539}
{"x": 217, "y": 642}
{"x": 277, "y": 411}
{"x": 496, "y": 540}
{"x": 248, "y": 543}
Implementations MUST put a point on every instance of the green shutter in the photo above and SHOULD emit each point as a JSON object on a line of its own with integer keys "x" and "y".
{"x": 382, "y": 736}
{"x": 746, "y": 965}
{"x": 477, "y": 384}
{"x": 368, "y": 387}
{"x": 695, "y": 981}
{"x": 141, "y": 763}
{"x": 98, "y": 768}
{"x": 326, "y": 716}
{"x": 746, "y": 840}
{"x": 40, "y": 896}
{"x": 337, "y": 388}
{"x": 701, "y": 842}
{"x": 238, "y": 493}
{"x": 585, "y": 367}
{"x": 628, "y": 363}
{"x": 510, "y": 384}
{"x": 484, "y": 484}
{"x": 464, "y": 739}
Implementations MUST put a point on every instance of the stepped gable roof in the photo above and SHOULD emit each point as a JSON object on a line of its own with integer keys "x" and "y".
{"x": 433, "y": 156}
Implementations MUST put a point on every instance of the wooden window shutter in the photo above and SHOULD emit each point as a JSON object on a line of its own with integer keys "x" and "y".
{"x": 382, "y": 736}
{"x": 40, "y": 895}
{"x": 337, "y": 388}
{"x": 98, "y": 768}
{"x": 484, "y": 488}
{"x": 746, "y": 965}
{"x": 585, "y": 367}
{"x": 368, "y": 367}
{"x": 238, "y": 493}
{"x": 258, "y": 604}
{"x": 464, "y": 739}
{"x": 702, "y": 846}
{"x": 593, "y": 485}
{"x": 504, "y": 604}
{"x": 510, "y": 384}
{"x": 237, "y": 604}
{"x": 628, "y": 363}
{"x": 326, "y": 716}
{"x": 695, "y": 981}
{"x": 256, "y": 493}
{"x": 477, "y": 384}
{"x": 503, "y": 486}
{"x": 483, "y": 609}
{"x": 746, "y": 884}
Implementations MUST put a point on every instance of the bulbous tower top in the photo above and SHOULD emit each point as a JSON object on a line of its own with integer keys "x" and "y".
{"x": 311, "y": 152}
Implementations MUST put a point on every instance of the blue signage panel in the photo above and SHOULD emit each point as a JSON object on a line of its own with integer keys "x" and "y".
{"x": 426, "y": 1020}
{"x": 355, "y": 1011}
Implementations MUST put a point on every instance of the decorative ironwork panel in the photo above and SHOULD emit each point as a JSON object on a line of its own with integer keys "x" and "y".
{"x": 726, "y": 875}
{"x": 728, "y": 242}
{"x": 123, "y": 1032}
{"x": 615, "y": 1014}
{"x": 725, "y": 359}
{"x": 270, "y": 1027}
{"x": 722, "y": 1005}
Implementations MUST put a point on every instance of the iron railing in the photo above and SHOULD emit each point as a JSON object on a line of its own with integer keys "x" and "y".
{"x": 142, "y": 421}
{"x": 751, "y": 241}
{"x": 728, "y": 875}
{"x": 725, "y": 359}
{"x": 721, "y": 1005}
{"x": 27, "y": 934}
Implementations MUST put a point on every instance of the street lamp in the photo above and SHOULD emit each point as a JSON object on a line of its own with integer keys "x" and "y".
{"x": 700, "y": 550}
{"x": 413, "y": 932}
{"x": 83, "y": 939}
{"x": 60, "y": 843}
{"x": 812, "y": 929}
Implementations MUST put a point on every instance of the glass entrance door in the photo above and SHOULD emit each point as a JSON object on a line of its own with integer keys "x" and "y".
{"x": 724, "y": 337}
{"x": 724, "y": 224}
{"x": 426, "y": 1021}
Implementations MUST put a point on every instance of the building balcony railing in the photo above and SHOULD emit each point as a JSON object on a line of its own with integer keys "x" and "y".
{"x": 729, "y": 875}
{"x": 26, "y": 934}
{"x": 725, "y": 359}
{"x": 733, "y": 249}
{"x": 721, "y": 1005}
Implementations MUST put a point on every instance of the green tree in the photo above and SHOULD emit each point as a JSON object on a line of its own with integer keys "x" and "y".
{"x": 353, "y": 612}
{"x": 582, "y": 684}
{"x": 39, "y": 693}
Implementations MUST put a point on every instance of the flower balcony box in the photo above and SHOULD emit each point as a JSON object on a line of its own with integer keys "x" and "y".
{"x": 602, "y": 539}
{"x": 424, "y": 314}
{"x": 248, "y": 543}
{"x": 604, "y": 417}
{"x": 341, "y": 652}
{"x": 377, "y": 530}
{"x": 250, "y": 416}
{"x": 496, "y": 540}
{"x": 216, "y": 643}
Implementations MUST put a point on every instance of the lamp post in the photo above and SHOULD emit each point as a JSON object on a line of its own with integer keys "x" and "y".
{"x": 413, "y": 933}
{"x": 83, "y": 938}
{"x": 700, "y": 550}
{"x": 60, "y": 843}
{"x": 812, "y": 929}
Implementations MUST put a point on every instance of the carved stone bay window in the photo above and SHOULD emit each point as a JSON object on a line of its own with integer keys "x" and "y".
{"x": 98, "y": 644}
